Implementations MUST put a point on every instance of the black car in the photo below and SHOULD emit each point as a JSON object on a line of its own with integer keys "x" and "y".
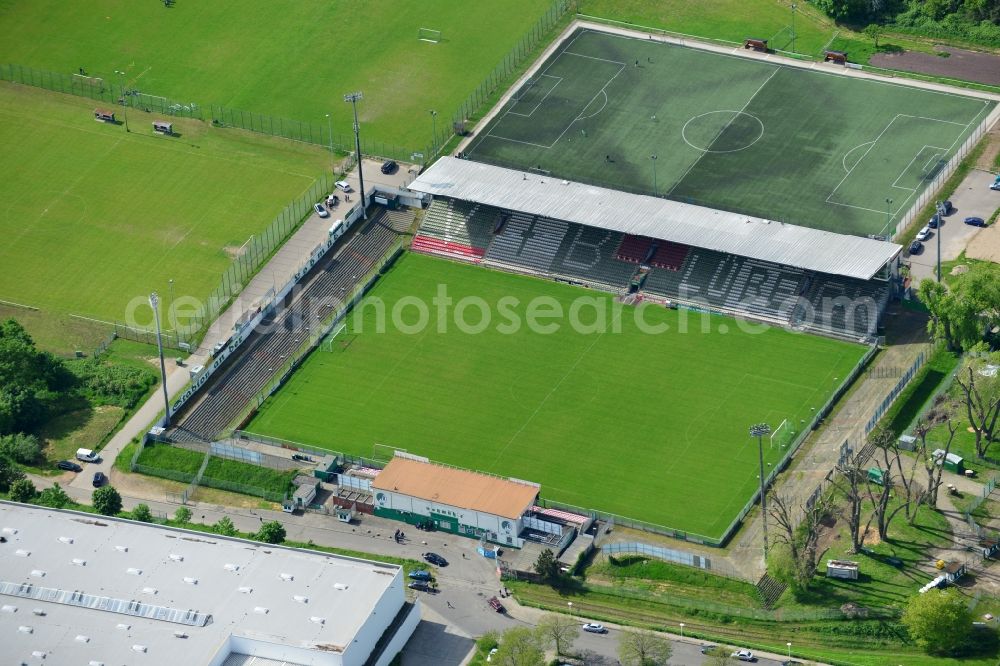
{"x": 916, "y": 247}
{"x": 975, "y": 221}
{"x": 419, "y": 585}
{"x": 436, "y": 559}
{"x": 948, "y": 207}
{"x": 390, "y": 167}
{"x": 69, "y": 466}
{"x": 934, "y": 222}
{"x": 99, "y": 479}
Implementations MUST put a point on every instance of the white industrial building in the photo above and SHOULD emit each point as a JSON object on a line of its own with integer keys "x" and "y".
{"x": 89, "y": 590}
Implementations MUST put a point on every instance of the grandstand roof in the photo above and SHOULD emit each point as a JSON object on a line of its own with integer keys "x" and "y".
{"x": 733, "y": 233}
{"x": 456, "y": 487}
{"x": 93, "y": 588}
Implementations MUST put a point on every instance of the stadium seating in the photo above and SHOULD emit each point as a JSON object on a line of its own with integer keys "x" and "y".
{"x": 527, "y": 242}
{"x": 456, "y": 229}
{"x": 635, "y": 249}
{"x": 843, "y": 306}
{"x": 242, "y": 377}
{"x": 669, "y": 255}
{"x": 587, "y": 255}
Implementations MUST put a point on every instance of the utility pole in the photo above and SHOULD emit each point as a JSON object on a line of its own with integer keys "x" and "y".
{"x": 329, "y": 130}
{"x": 794, "y": 7}
{"x": 652, "y": 158}
{"x": 759, "y": 431}
{"x": 121, "y": 76}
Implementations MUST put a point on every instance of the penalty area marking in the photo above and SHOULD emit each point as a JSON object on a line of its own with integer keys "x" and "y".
{"x": 934, "y": 156}
{"x": 558, "y": 79}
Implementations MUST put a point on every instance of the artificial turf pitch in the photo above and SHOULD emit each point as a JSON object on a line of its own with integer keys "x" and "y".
{"x": 95, "y": 217}
{"x": 784, "y": 143}
{"x": 648, "y": 426}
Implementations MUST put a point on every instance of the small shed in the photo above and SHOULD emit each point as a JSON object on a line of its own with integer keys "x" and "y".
{"x": 989, "y": 546}
{"x": 836, "y": 57}
{"x": 163, "y": 127}
{"x": 908, "y": 442}
{"x": 953, "y": 571}
{"x": 104, "y": 115}
{"x": 846, "y": 569}
{"x": 875, "y": 475}
{"x": 952, "y": 462}
{"x": 755, "y": 44}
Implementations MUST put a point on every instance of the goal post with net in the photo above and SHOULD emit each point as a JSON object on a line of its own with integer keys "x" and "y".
{"x": 429, "y": 35}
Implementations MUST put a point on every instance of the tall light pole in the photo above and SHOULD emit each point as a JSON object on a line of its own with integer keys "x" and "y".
{"x": 937, "y": 232}
{"x": 888, "y": 214}
{"x": 652, "y": 158}
{"x": 353, "y": 99}
{"x": 794, "y": 7}
{"x": 121, "y": 76}
{"x": 758, "y": 431}
{"x": 329, "y": 130}
{"x": 154, "y": 302}
{"x": 434, "y": 126}
{"x": 170, "y": 303}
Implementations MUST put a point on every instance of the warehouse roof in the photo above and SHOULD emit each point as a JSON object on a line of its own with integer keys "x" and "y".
{"x": 733, "y": 233}
{"x": 91, "y": 589}
{"x": 457, "y": 487}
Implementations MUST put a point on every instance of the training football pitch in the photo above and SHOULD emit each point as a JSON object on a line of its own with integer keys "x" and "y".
{"x": 94, "y": 217}
{"x": 652, "y": 426}
{"x": 785, "y": 143}
{"x": 292, "y": 60}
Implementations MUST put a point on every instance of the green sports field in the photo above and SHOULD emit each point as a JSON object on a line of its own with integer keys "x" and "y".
{"x": 292, "y": 59}
{"x": 93, "y": 217}
{"x": 795, "y": 145}
{"x": 649, "y": 426}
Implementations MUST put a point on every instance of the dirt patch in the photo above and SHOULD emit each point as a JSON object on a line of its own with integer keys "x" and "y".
{"x": 232, "y": 251}
{"x": 985, "y": 245}
{"x": 871, "y": 537}
{"x": 989, "y": 157}
{"x": 959, "y": 64}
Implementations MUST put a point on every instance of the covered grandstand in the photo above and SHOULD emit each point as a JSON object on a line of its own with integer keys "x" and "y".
{"x": 656, "y": 248}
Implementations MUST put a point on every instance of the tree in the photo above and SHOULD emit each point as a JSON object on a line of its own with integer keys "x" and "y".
{"x": 546, "y": 566}
{"x": 22, "y": 490}
{"x": 107, "y": 501}
{"x": 30, "y": 380}
{"x": 801, "y": 539}
{"x": 9, "y": 473}
{"x": 873, "y": 31}
{"x": 719, "y": 656}
{"x": 22, "y": 448}
{"x": 142, "y": 513}
{"x": 225, "y": 527}
{"x": 937, "y": 415}
{"x": 270, "y": 532}
{"x": 939, "y": 620}
{"x": 643, "y": 648}
{"x": 520, "y": 646}
{"x": 850, "y": 481}
{"x": 182, "y": 515}
{"x": 560, "y": 630}
{"x": 54, "y": 497}
{"x": 981, "y": 399}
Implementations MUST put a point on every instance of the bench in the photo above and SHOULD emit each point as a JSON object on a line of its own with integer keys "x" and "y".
{"x": 755, "y": 44}
{"x": 836, "y": 57}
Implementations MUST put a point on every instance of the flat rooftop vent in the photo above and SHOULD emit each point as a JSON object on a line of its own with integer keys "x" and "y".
{"x": 66, "y": 540}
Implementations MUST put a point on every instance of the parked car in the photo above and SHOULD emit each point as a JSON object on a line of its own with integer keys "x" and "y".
{"x": 743, "y": 655}
{"x": 924, "y": 233}
{"x": 69, "y": 466}
{"x": 496, "y": 605}
{"x": 99, "y": 479}
{"x": 595, "y": 628}
{"x": 389, "y": 167}
{"x": 343, "y": 186}
{"x": 321, "y": 210}
{"x": 916, "y": 247}
{"x": 436, "y": 559}
{"x": 419, "y": 585}
{"x": 975, "y": 221}
{"x": 948, "y": 207}
{"x": 791, "y": 662}
{"x": 301, "y": 457}
{"x": 934, "y": 222}
{"x": 420, "y": 575}
{"x": 706, "y": 649}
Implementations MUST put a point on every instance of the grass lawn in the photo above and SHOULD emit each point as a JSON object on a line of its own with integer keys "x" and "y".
{"x": 186, "y": 461}
{"x": 289, "y": 59}
{"x": 601, "y": 104}
{"x": 559, "y": 408}
{"x": 95, "y": 219}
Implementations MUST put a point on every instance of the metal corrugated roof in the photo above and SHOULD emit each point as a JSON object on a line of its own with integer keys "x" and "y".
{"x": 733, "y": 233}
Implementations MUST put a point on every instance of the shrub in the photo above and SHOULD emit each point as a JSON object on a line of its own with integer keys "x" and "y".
{"x": 22, "y": 490}
{"x": 142, "y": 513}
{"x": 22, "y": 448}
{"x": 271, "y": 532}
{"x": 107, "y": 501}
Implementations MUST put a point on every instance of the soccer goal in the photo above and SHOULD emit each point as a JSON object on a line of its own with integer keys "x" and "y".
{"x": 781, "y": 434}
{"x": 94, "y": 83}
{"x": 429, "y": 35}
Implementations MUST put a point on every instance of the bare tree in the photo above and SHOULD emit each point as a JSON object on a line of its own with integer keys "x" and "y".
{"x": 897, "y": 481}
{"x": 802, "y": 539}
{"x": 850, "y": 480}
{"x": 559, "y": 630}
{"x": 981, "y": 399}
{"x": 643, "y": 648}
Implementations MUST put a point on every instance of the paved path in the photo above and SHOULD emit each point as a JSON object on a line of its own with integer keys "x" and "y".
{"x": 972, "y": 198}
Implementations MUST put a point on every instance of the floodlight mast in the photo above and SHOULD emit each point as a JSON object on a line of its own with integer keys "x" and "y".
{"x": 154, "y": 302}
{"x": 758, "y": 431}
{"x": 353, "y": 99}
{"x": 121, "y": 76}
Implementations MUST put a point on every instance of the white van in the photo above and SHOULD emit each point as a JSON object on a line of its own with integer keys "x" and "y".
{"x": 87, "y": 455}
{"x": 343, "y": 186}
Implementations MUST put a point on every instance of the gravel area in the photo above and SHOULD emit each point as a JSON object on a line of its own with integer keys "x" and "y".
{"x": 960, "y": 64}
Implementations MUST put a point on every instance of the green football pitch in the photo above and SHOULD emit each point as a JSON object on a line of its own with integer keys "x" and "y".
{"x": 652, "y": 426}
{"x": 780, "y": 142}
{"x": 293, "y": 59}
{"x": 94, "y": 217}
